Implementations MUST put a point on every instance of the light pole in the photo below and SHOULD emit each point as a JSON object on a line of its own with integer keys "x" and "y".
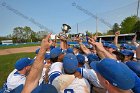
{"x": 138, "y": 8}
{"x": 77, "y": 28}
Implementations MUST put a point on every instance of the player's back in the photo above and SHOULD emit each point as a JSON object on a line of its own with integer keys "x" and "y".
{"x": 14, "y": 80}
{"x": 79, "y": 85}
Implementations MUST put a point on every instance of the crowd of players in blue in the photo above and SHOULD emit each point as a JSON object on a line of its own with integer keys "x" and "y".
{"x": 98, "y": 67}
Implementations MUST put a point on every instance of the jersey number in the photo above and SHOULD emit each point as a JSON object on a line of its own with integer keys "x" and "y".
{"x": 68, "y": 91}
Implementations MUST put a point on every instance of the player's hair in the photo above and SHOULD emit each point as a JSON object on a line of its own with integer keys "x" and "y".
{"x": 118, "y": 55}
{"x": 53, "y": 60}
{"x": 82, "y": 64}
{"x": 68, "y": 73}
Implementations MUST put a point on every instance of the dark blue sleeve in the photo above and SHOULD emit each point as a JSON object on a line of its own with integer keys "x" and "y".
{"x": 80, "y": 70}
{"x": 51, "y": 47}
{"x": 136, "y": 88}
{"x": 53, "y": 75}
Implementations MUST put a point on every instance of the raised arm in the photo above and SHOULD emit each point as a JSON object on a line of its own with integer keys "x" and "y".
{"x": 116, "y": 38}
{"x": 138, "y": 52}
{"x": 100, "y": 49}
{"x": 134, "y": 41}
{"x": 82, "y": 46}
{"x": 63, "y": 43}
{"x": 36, "y": 70}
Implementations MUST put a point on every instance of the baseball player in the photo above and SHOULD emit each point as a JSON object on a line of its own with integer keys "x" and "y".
{"x": 70, "y": 82}
{"x": 121, "y": 80}
{"x": 18, "y": 75}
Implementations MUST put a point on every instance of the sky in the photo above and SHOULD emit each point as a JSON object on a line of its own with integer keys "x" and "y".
{"x": 51, "y": 14}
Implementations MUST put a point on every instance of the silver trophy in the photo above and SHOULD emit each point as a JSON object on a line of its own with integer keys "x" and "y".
{"x": 65, "y": 29}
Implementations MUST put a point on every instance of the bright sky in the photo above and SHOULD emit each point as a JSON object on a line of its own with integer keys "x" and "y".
{"x": 51, "y": 14}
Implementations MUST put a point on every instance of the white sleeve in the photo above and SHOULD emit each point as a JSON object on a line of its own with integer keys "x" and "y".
{"x": 56, "y": 67}
{"x": 15, "y": 82}
{"x": 42, "y": 76}
{"x": 91, "y": 75}
{"x": 55, "y": 71}
{"x": 94, "y": 79}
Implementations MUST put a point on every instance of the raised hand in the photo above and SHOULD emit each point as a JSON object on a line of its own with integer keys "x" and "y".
{"x": 95, "y": 37}
{"x": 78, "y": 39}
{"x": 117, "y": 33}
{"x": 91, "y": 41}
{"x": 46, "y": 42}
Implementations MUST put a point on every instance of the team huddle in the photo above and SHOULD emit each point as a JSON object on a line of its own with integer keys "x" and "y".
{"x": 95, "y": 67}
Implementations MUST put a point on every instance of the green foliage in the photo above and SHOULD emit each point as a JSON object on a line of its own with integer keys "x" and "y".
{"x": 26, "y": 34}
{"x": 110, "y": 32}
{"x": 136, "y": 26}
{"x": 88, "y": 33}
{"x": 128, "y": 24}
{"x": 69, "y": 35}
{"x": 115, "y": 28}
{"x": 40, "y": 34}
{"x": 4, "y": 38}
{"x": 7, "y": 64}
{"x": 98, "y": 33}
{"x": 22, "y": 34}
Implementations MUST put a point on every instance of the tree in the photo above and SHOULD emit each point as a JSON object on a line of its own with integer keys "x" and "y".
{"x": 27, "y": 33}
{"x": 33, "y": 37}
{"x": 18, "y": 35}
{"x": 41, "y": 34}
{"x": 110, "y": 32}
{"x": 115, "y": 28}
{"x": 22, "y": 34}
{"x": 88, "y": 34}
{"x": 128, "y": 24}
{"x": 136, "y": 26}
{"x": 98, "y": 33}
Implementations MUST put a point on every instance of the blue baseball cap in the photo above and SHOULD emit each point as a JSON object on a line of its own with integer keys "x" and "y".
{"x": 112, "y": 46}
{"x": 117, "y": 73}
{"x": 127, "y": 52}
{"x": 69, "y": 50}
{"x": 23, "y": 62}
{"x": 76, "y": 46}
{"x": 125, "y": 46}
{"x": 37, "y": 51}
{"x": 106, "y": 44}
{"x": 45, "y": 88}
{"x": 47, "y": 56}
{"x": 80, "y": 58}
{"x": 132, "y": 47}
{"x": 70, "y": 63}
{"x": 134, "y": 66}
{"x": 103, "y": 41}
{"x": 55, "y": 52}
{"x": 87, "y": 45}
{"x": 92, "y": 57}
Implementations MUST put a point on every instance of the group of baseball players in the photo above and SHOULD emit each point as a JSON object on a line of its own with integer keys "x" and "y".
{"x": 96, "y": 67}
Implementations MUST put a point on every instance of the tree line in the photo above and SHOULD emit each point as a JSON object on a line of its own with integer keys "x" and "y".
{"x": 24, "y": 35}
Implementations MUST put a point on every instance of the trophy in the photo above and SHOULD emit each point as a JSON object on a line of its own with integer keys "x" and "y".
{"x": 65, "y": 29}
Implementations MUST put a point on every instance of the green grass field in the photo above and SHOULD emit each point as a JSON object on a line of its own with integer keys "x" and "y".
{"x": 7, "y": 64}
{"x": 18, "y": 46}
